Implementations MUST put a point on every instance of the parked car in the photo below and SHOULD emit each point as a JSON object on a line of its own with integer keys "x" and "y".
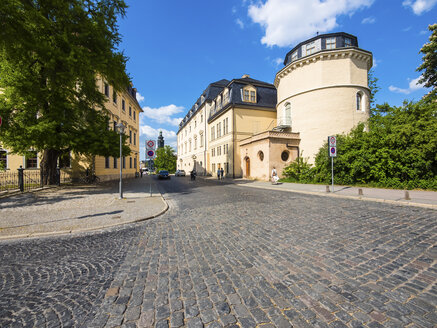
{"x": 180, "y": 173}
{"x": 163, "y": 174}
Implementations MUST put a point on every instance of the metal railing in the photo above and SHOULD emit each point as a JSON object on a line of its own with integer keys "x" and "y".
{"x": 25, "y": 180}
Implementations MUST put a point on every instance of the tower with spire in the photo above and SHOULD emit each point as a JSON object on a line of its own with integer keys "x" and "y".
{"x": 160, "y": 140}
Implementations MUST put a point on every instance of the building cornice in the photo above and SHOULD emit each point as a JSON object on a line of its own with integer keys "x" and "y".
{"x": 327, "y": 54}
{"x": 270, "y": 134}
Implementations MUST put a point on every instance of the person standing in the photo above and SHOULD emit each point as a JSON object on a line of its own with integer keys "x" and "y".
{"x": 221, "y": 173}
{"x": 218, "y": 173}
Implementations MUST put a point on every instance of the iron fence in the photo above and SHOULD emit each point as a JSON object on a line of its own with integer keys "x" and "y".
{"x": 25, "y": 180}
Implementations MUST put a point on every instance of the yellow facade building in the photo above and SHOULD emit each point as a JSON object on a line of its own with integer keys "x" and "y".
{"x": 122, "y": 107}
{"x": 225, "y": 113}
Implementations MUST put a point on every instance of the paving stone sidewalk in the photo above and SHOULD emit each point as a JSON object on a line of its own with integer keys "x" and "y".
{"x": 79, "y": 208}
{"x": 420, "y": 198}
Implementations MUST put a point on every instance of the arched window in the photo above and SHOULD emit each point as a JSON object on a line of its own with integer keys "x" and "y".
{"x": 359, "y": 101}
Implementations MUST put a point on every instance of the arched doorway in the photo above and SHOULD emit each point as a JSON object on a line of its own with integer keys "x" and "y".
{"x": 247, "y": 167}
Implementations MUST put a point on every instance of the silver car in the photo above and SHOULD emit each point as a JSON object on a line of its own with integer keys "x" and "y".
{"x": 179, "y": 173}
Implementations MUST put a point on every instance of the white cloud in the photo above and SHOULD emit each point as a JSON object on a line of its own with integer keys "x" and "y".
{"x": 286, "y": 22}
{"x": 170, "y": 137}
{"x": 140, "y": 98}
{"x": 420, "y": 6}
{"x": 239, "y": 23}
{"x": 408, "y": 28}
{"x": 368, "y": 20}
{"x": 376, "y": 62}
{"x": 414, "y": 85}
{"x": 163, "y": 114}
{"x": 234, "y": 10}
{"x": 423, "y": 32}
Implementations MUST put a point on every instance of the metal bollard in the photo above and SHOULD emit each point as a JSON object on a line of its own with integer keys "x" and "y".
{"x": 327, "y": 189}
{"x": 21, "y": 178}
{"x": 360, "y": 192}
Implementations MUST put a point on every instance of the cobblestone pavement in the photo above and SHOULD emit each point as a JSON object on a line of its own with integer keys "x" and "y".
{"x": 229, "y": 256}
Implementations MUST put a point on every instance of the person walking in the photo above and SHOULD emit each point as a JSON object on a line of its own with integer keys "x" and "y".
{"x": 221, "y": 173}
{"x": 218, "y": 173}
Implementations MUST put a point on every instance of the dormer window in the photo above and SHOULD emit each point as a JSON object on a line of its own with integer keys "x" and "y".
{"x": 330, "y": 43}
{"x": 196, "y": 106}
{"x": 310, "y": 48}
{"x": 249, "y": 94}
{"x": 294, "y": 56}
{"x": 347, "y": 42}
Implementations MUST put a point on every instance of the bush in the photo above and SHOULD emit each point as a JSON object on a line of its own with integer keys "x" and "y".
{"x": 299, "y": 171}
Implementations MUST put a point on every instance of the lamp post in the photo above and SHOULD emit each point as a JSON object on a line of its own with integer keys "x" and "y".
{"x": 120, "y": 128}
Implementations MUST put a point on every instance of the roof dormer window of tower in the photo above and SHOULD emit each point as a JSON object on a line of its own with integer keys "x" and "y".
{"x": 294, "y": 56}
{"x": 330, "y": 43}
{"x": 347, "y": 42}
{"x": 310, "y": 48}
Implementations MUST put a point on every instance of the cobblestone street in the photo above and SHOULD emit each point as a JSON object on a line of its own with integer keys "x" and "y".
{"x": 230, "y": 256}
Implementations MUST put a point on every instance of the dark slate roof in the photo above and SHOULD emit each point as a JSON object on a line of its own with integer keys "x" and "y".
{"x": 266, "y": 95}
{"x": 209, "y": 94}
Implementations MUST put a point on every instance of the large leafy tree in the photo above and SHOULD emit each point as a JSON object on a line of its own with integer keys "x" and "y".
{"x": 429, "y": 64}
{"x": 51, "y": 55}
{"x": 165, "y": 159}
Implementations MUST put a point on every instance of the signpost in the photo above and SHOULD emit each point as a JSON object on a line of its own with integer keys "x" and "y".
{"x": 150, "y": 152}
{"x": 332, "y": 147}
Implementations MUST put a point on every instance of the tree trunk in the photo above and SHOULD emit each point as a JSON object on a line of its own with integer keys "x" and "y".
{"x": 48, "y": 166}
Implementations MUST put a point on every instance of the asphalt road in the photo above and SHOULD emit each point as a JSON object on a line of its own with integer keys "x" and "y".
{"x": 225, "y": 255}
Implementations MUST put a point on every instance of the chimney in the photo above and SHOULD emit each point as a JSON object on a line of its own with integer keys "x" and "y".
{"x": 245, "y": 76}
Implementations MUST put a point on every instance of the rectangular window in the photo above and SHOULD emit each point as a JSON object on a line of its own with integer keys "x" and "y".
{"x": 195, "y": 143}
{"x": 294, "y": 56}
{"x": 135, "y": 163}
{"x": 124, "y": 162}
{"x": 115, "y": 162}
{"x": 213, "y": 168}
{"x": 219, "y": 150}
{"x": 347, "y": 42}
{"x": 3, "y": 160}
{"x": 213, "y": 152}
{"x": 135, "y": 115}
{"x": 106, "y": 162}
{"x": 32, "y": 160}
{"x": 130, "y": 137}
{"x": 135, "y": 139}
{"x": 114, "y": 97}
{"x": 123, "y": 105}
{"x": 130, "y": 111}
{"x": 226, "y": 126}
{"x": 115, "y": 125}
{"x": 107, "y": 90}
{"x": 226, "y": 168}
{"x": 252, "y": 96}
{"x": 330, "y": 43}
{"x": 246, "y": 95}
{"x": 212, "y": 133}
{"x": 310, "y": 48}
{"x": 219, "y": 130}
{"x": 201, "y": 140}
{"x": 130, "y": 162}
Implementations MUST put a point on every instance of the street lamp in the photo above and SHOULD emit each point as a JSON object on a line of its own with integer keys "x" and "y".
{"x": 120, "y": 128}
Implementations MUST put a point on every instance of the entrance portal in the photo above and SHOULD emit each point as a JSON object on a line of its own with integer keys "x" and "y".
{"x": 247, "y": 167}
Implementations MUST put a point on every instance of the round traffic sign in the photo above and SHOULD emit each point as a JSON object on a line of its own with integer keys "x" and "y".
{"x": 332, "y": 150}
{"x": 332, "y": 141}
{"x": 150, "y": 153}
{"x": 150, "y": 143}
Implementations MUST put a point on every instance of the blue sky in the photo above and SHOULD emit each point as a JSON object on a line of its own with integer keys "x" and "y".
{"x": 176, "y": 48}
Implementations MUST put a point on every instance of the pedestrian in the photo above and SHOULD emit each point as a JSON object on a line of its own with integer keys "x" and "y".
{"x": 193, "y": 175}
{"x": 218, "y": 173}
{"x": 274, "y": 176}
{"x": 141, "y": 172}
{"x": 221, "y": 173}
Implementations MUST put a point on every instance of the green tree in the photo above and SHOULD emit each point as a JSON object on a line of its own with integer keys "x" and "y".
{"x": 166, "y": 159}
{"x": 51, "y": 54}
{"x": 398, "y": 151}
{"x": 429, "y": 64}
{"x": 374, "y": 88}
{"x": 299, "y": 171}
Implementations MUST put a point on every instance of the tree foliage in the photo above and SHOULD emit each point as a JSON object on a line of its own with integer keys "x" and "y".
{"x": 374, "y": 88}
{"x": 299, "y": 171}
{"x": 429, "y": 64}
{"x": 51, "y": 53}
{"x": 165, "y": 159}
{"x": 398, "y": 151}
